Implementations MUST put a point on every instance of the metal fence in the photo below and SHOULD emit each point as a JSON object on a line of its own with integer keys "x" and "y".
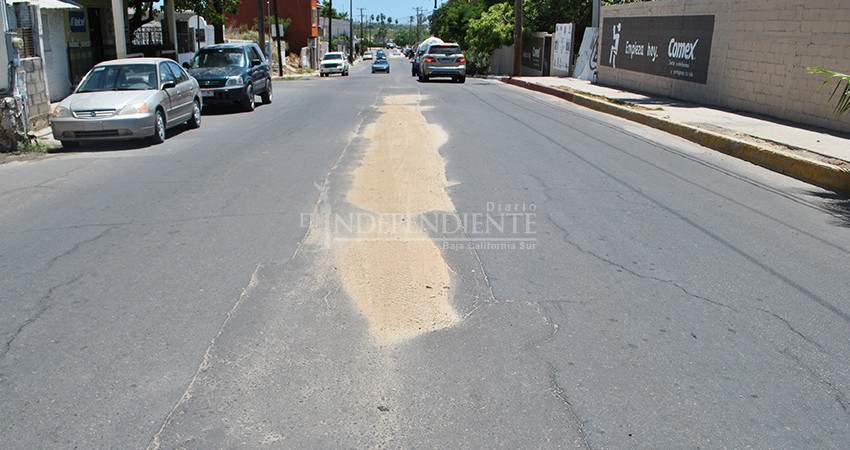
{"x": 82, "y": 59}
{"x": 147, "y": 36}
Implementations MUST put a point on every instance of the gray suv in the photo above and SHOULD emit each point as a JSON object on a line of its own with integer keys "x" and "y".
{"x": 443, "y": 60}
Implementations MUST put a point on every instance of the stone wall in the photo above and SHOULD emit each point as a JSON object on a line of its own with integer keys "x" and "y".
{"x": 759, "y": 56}
{"x": 36, "y": 89}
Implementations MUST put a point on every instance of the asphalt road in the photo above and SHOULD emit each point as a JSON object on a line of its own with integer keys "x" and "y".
{"x": 656, "y": 295}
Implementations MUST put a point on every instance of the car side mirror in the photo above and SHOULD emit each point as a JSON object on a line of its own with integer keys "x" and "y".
{"x": 255, "y": 62}
{"x": 169, "y": 85}
{"x": 187, "y": 65}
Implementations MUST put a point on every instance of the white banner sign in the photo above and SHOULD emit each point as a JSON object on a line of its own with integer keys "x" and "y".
{"x": 587, "y": 59}
{"x": 562, "y": 50}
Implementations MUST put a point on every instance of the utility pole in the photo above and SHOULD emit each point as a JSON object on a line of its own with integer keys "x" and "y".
{"x": 351, "y": 31}
{"x": 279, "y": 38}
{"x": 517, "y": 38}
{"x": 361, "y": 28}
{"x": 596, "y": 13}
{"x": 330, "y": 23}
{"x": 418, "y": 23}
{"x": 261, "y": 26}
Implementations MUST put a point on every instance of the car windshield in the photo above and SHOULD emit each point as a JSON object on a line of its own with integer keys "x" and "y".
{"x": 220, "y": 57}
{"x": 129, "y": 77}
{"x": 332, "y": 56}
{"x": 448, "y": 50}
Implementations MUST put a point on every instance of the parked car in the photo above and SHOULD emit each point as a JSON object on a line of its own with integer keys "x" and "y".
{"x": 232, "y": 74}
{"x": 443, "y": 60}
{"x": 381, "y": 65}
{"x": 334, "y": 62}
{"x": 128, "y": 99}
{"x": 367, "y": 56}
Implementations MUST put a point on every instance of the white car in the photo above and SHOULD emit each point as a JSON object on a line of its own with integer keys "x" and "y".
{"x": 334, "y": 62}
{"x": 367, "y": 56}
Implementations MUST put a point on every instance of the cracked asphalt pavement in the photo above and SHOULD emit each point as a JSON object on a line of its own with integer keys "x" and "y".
{"x": 611, "y": 286}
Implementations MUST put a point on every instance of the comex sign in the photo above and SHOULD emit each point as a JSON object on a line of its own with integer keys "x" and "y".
{"x": 686, "y": 39}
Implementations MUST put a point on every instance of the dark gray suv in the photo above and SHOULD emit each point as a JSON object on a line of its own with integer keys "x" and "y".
{"x": 232, "y": 74}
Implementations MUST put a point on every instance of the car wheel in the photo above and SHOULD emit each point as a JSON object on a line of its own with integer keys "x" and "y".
{"x": 158, "y": 128}
{"x": 248, "y": 103}
{"x": 421, "y": 77}
{"x": 462, "y": 79}
{"x": 269, "y": 94}
{"x": 69, "y": 144}
{"x": 195, "y": 121}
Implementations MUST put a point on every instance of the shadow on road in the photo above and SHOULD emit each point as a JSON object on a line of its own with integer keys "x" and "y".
{"x": 119, "y": 145}
{"x": 836, "y": 204}
{"x": 222, "y": 110}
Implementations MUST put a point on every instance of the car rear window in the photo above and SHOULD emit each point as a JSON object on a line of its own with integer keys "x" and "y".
{"x": 444, "y": 50}
{"x": 332, "y": 56}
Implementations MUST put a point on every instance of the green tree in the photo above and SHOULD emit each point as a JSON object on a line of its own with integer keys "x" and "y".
{"x": 404, "y": 36}
{"x": 327, "y": 11}
{"x": 451, "y": 20}
{"x": 144, "y": 12}
{"x": 492, "y": 30}
{"x": 382, "y": 33}
{"x": 213, "y": 11}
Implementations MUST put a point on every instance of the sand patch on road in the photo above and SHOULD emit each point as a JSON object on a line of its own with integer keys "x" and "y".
{"x": 402, "y": 171}
{"x": 397, "y": 276}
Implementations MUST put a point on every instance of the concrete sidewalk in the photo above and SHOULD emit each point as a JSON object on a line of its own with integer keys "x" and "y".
{"x": 816, "y": 157}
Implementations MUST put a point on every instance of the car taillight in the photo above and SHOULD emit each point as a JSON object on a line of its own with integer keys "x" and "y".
{"x": 461, "y": 59}
{"x": 430, "y": 59}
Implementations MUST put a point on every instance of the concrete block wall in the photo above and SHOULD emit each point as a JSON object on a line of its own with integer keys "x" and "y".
{"x": 37, "y": 98}
{"x": 759, "y": 57}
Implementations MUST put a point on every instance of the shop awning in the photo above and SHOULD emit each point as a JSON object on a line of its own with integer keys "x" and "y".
{"x": 51, "y": 4}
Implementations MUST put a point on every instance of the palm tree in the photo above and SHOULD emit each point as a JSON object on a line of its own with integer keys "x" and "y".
{"x": 843, "y": 105}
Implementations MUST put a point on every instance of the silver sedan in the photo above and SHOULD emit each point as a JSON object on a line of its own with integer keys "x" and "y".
{"x": 128, "y": 99}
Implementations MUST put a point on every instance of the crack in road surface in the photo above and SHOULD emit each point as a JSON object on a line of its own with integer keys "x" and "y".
{"x": 396, "y": 275}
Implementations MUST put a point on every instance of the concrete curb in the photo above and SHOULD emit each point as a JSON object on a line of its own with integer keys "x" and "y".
{"x": 293, "y": 77}
{"x": 813, "y": 172}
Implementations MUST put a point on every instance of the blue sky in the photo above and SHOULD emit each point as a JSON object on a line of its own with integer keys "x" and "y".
{"x": 397, "y": 9}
